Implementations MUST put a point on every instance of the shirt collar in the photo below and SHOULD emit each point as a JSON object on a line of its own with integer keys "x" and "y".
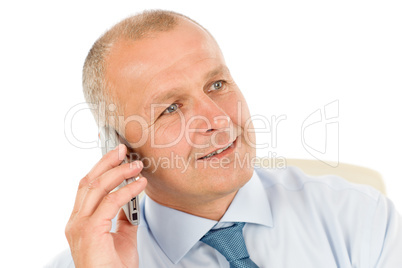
{"x": 177, "y": 232}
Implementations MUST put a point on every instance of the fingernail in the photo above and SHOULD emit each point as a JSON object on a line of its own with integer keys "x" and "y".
{"x": 122, "y": 153}
{"x": 136, "y": 164}
{"x": 140, "y": 179}
{"x": 139, "y": 164}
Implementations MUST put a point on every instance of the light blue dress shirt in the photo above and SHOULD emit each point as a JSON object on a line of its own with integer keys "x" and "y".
{"x": 293, "y": 220}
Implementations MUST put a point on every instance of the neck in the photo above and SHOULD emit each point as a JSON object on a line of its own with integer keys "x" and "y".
{"x": 212, "y": 209}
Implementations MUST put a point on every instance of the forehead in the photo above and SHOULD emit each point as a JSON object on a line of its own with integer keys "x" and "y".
{"x": 139, "y": 70}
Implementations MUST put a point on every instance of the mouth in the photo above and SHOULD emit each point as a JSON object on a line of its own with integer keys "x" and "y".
{"x": 220, "y": 152}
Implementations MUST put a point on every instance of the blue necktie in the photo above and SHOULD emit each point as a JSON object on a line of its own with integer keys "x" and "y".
{"x": 230, "y": 243}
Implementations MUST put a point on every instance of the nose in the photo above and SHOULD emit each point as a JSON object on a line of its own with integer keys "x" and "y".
{"x": 209, "y": 116}
{"x": 219, "y": 122}
{"x": 210, "y": 124}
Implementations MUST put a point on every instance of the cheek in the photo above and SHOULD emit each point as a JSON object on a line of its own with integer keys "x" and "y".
{"x": 165, "y": 150}
{"x": 249, "y": 133}
{"x": 244, "y": 120}
{"x": 165, "y": 167}
{"x": 238, "y": 111}
{"x": 168, "y": 133}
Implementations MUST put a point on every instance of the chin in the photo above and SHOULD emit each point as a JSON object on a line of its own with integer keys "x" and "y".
{"x": 245, "y": 175}
{"x": 229, "y": 181}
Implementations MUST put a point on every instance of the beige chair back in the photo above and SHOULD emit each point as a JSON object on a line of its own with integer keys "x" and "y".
{"x": 352, "y": 173}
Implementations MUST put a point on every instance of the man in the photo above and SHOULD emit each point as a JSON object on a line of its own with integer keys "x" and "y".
{"x": 168, "y": 93}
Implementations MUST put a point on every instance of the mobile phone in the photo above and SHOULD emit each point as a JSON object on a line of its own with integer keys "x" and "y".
{"x": 109, "y": 140}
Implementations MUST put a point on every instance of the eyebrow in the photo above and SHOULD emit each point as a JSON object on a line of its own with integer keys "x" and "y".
{"x": 173, "y": 91}
{"x": 218, "y": 70}
{"x": 162, "y": 98}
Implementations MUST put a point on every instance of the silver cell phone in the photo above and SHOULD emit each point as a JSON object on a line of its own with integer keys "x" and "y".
{"x": 109, "y": 140}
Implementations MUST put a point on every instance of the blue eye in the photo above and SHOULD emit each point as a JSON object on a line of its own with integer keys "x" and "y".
{"x": 171, "y": 109}
{"x": 217, "y": 85}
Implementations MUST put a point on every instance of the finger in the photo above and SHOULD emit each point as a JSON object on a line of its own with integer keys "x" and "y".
{"x": 125, "y": 229}
{"x": 108, "y": 161}
{"x": 100, "y": 187}
{"x": 126, "y": 242}
{"x": 111, "y": 203}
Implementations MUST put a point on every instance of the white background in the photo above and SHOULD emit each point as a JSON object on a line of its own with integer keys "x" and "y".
{"x": 289, "y": 58}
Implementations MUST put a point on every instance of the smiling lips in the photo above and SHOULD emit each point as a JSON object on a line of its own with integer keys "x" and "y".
{"x": 230, "y": 145}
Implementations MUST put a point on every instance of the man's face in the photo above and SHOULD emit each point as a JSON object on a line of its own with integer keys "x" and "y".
{"x": 178, "y": 83}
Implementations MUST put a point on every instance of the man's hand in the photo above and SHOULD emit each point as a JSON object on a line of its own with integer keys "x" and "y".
{"x": 88, "y": 229}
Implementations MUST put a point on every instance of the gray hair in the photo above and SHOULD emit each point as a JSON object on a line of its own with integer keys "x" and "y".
{"x": 97, "y": 90}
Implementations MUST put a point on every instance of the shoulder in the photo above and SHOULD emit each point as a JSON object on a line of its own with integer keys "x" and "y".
{"x": 357, "y": 220}
{"x": 325, "y": 198}
{"x": 292, "y": 180}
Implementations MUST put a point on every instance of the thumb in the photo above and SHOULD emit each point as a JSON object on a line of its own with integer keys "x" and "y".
{"x": 125, "y": 240}
{"x": 124, "y": 228}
